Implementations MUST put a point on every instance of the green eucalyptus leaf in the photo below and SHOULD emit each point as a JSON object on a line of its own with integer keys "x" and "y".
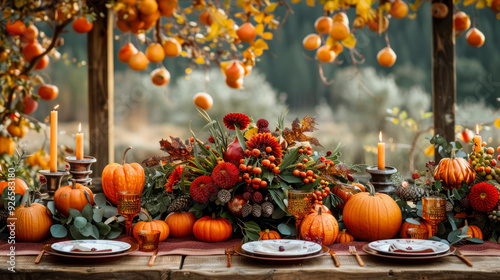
{"x": 98, "y": 214}
{"x": 475, "y": 240}
{"x": 278, "y": 198}
{"x": 95, "y": 232}
{"x": 74, "y": 213}
{"x": 58, "y": 231}
{"x": 456, "y": 194}
{"x": 69, "y": 220}
{"x": 453, "y": 235}
{"x": 87, "y": 195}
{"x": 80, "y": 222}
{"x": 86, "y": 230}
{"x": 278, "y": 213}
{"x": 104, "y": 229}
{"x": 451, "y": 219}
{"x": 114, "y": 232}
{"x": 413, "y": 221}
{"x": 75, "y": 232}
{"x": 110, "y": 211}
{"x": 252, "y": 235}
{"x": 434, "y": 238}
{"x": 52, "y": 207}
{"x": 284, "y": 229}
{"x": 87, "y": 212}
{"x": 100, "y": 199}
{"x": 251, "y": 226}
{"x": 464, "y": 230}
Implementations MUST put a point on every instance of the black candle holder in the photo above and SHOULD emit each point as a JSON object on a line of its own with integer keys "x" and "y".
{"x": 53, "y": 183}
{"x": 381, "y": 178}
{"x": 80, "y": 169}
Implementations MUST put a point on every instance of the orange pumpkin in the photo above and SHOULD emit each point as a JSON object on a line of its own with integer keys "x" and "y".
{"x": 181, "y": 224}
{"x": 124, "y": 177}
{"x": 317, "y": 206}
{"x": 372, "y": 216}
{"x": 20, "y": 187}
{"x": 211, "y": 229}
{"x": 344, "y": 237}
{"x": 473, "y": 231}
{"x": 72, "y": 196}
{"x": 269, "y": 234}
{"x": 151, "y": 224}
{"x": 346, "y": 191}
{"x": 33, "y": 222}
{"x": 7, "y": 146}
{"x": 407, "y": 225}
{"x": 319, "y": 224}
{"x": 452, "y": 171}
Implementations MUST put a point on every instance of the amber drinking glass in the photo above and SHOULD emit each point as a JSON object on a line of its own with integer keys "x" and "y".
{"x": 148, "y": 240}
{"x": 299, "y": 205}
{"x": 433, "y": 211}
{"x": 129, "y": 206}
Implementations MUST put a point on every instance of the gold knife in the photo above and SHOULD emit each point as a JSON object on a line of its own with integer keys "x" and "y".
{"x": 153, "y": 258}
{"x": 335, "y": 258}
{"x": 39, "y": 257}
{"x": 463, "y": 258}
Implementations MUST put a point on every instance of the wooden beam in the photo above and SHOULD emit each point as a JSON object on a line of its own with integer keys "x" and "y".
{"x": 443, "y": 74}
{"x": 100, "y": 89}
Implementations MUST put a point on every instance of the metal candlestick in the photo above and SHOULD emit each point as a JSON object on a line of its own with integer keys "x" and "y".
{"x": 53, "y": 183}
{"x": 381, "y": 179}
{"x": 80, "y": 169}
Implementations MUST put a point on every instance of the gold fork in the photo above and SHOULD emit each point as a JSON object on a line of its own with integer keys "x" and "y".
{"x": 229, "y": 252}
{"x": 352, "y": 250}
{"x": 39, "y": 257}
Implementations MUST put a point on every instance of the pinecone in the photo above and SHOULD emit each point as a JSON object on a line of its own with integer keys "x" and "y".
{"x": 224, "y": 196}
{"x": 179, "y": 203}
{"x": 246, "y": 209}
{"x": 465, "y": 202}
{"x": 449, "y": 206}
{"x": 257, "y": 210}
{"x": 411, "y": 192}
{"x": 247, "y": 196}
{"x": 4, "y": 214}
{"x": 494, "y": 216}
{"x": 267, "y": 209}
{"x": 487, "y": 230}
{"x": 257, "y": 197}
{"x": 458, "y": 208}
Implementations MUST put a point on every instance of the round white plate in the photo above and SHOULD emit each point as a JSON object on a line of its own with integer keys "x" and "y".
{"x": 66, "y": 247}
{"x": 302, "y": 248}
{"x": 382, "y": 246}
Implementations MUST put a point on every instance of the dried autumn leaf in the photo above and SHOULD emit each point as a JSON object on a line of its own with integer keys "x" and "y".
{"x": 259, "y": 29}
{"x": 350, "y": 41}
{"x": 271, "y": 8}
{"x": 296, "y": 134}
{"x": 176, "y": 149}
{"x": 497, "y": 123}
{"x": 430, "y": 151}
{"x": 267, "y": 36}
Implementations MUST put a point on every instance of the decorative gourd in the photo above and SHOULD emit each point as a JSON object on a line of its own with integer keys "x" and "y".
{"x": 269, "y": 234}
{"x": 344, "y": 237}
{"x": 371, "y": 216}
{"x": 346, "y": 191}
{"x": 473, "y": 231}
{"x": 151, "y": 224}
{"x": 407, "y": 225}
{"x": 124, "y": 177}
{"x": 33, "y": 223}
{"x": 20, "y": 187}
{"x": 7, "y": 145}
{"x": 181, "y": 224}
{"x": 72, "y": 196}
{"x": 319, "y": 224}
{"x": 452, "y": 171}
{"x": 211, "y": 229}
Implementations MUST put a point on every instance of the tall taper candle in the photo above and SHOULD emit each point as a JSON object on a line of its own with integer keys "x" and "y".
{"x": 53, "y": 139}
{"x": 381, "y": 153}
{"x": 477, "y": 140}
{"x": 79, "y": 143}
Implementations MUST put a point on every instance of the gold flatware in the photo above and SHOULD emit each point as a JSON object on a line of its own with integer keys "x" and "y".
{"x": 39, "y": 257}
{"x": 153, "y": 258}
{"x": 335, "y": 258}
{"x": 229, "y": 252}
{"x": 463, "y": 258}
{"x": 352, "y": 250}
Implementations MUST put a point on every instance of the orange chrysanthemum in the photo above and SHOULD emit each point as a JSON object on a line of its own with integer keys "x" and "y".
{"x": 233, "y": 120}
{"x": 174, "y": 177}
{"x": 262, "y": 141}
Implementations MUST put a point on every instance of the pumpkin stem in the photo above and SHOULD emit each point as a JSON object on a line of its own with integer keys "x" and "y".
{"x": 28, "y": 201}
{"x": 143, "y": 210}
{"x": 466, "y": 223}
{"x": 267, "y": 231}
{"x": 452, "y": 154}
{"x": 213, "y": 215}
{"x": 125, "y": 154}
{"x": 344, "y": 230}
{"x": 320, "y": 210}
{"x": 371, "y": 189}
{"x": 73, "y": 183}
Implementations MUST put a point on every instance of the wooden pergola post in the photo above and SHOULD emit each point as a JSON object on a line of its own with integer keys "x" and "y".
{"x": 443, "y": 75}
{"x": 100, "y": 89}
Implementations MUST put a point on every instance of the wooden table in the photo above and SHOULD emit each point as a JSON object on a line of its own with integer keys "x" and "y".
{"x": 214, "y": 267}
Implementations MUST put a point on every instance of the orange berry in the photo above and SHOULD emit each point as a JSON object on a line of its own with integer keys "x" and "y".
{"x": 461, "y": 21}
{"x": 311, "y": 42}
{"x": 305, "y": 160}
{"x": 323, "y": 25}
{"x": 309, "y": 173}
{"x": 256, "y": 181}
{"x": 272, "y": 166}
{"x": 399, "y": 9}
{"x": 32, "y": 50}
{"x": 269, "y": 149}
{"x": 483, "y": 144}
{"x": 234, "y": 71}
{"x": 236, "y": 84}
{"x": 155, "y": 53}
{"x": 203, "y": 100}
{"x": 325, "y": 54}
{"x": 138, "y": 61}
{"x": 327, "y": 189}
{"x": 495, "y": 7}
{"x": 386, "y": 57}
{"x": 266, "y": 163}
{"x": 205, "y": 17}
{"x": 306, "y": 180}
{"x": 15, "y": 28}
{"x": 126, "y": 52}
{"x": 30, "y": 34}
{"x": 475, "y": 37}
{"x": 339, "y": 31}
{"x": 160, "y": 76}
{"x": 246, "y": 32}
{"x": 296, "y": 172}
{"x": 167, "y": 7}
{"x": 490, "y": 150}
{"x": 276, "y": 170}
{"x": 48, "y": 92}
{"x": 263, "y": 184}
{"x": 249, "y": 168}
{"x": 301, "y": 151}
{"x": 257, "y": 170}
{"x": 147, "y": 7}
{"x": 303, "y": 174}
{"x": 498, "y": 149}
{"x": 172, "y": 48}
{"x": 42, "y": 63}
{"x": 377, "y": 25}
{"x": 271, "y": 158}
{"x": 82, "y": 25}
{"x": 359, "y": 22}
{"x": 242, "y": 160}
{"x": 341, "y": 17}
{"x": 324, "y": 194}
{"x": 337, "y": 48}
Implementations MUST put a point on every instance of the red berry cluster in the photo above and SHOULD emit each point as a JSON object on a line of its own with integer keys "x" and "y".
{"x": 323, "y": 192}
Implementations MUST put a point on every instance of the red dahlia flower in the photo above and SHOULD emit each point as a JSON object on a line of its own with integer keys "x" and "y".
{"x": 483, "y": 197}
{"x": 236, "y": 120}
{"x": 225, "y": 175}
{"x": 263, "y": 140}
{"x": 174, "y": 177}
{"x": 202, "y": 189}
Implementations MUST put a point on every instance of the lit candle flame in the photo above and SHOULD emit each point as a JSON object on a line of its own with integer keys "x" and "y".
{"x": 56, "y": 107}
{"x": 80, "y": 128}
{"x": 380, "y": 136}
{"x": 477, "y": 129}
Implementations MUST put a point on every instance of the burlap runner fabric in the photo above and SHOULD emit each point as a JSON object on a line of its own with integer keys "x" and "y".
{"x": 191, "y": 247}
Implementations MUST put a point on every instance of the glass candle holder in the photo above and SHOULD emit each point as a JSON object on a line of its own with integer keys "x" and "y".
{"x": 148, "y": 240}
{"x": 129, "y": 206}
{"x": 418, "y": 233}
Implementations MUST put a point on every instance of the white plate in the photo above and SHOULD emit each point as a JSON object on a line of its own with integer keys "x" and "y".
{"x": 66, "y": 247}
{"x": 302, "y": 248}
{"x": 382, "y": 246}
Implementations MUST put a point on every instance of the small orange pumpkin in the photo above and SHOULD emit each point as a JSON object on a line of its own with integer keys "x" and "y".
{"x": 20, "y": 187}
{"x": 181, "y": 224}
{"x": 344, "y": 237}
{"x": 269, "y": 234}
{"x": 72, "y": 196}
{"x": 319, "y": 224}
{"x": 151, "y": 224}
{"x": 33, "y": 222}
{"x": 473, "y": 231}
{"x": 124, "y": 177}
{"x": 7, "y": 145}
{"x": 407, "y": 225}
{"x": 452, "y": 171}
{"x": 346, "y": 191}
{"x": 317, "y": 206}
{"x": 211, "y": 229}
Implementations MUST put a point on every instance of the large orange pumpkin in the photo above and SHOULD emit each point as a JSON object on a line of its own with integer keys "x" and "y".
{"x": 473, "y": 231}
{"x": 269, "y": 234}
{"x": 33, "y": 222}
{"x": 211, "y": 229}
{"x": 7, "y": 145}
{"x": 124, "y": 177}
{"x": 20, "y": 187}
{"x": 181, "y": 224}
{"x": 372, "y": 216}
{"x": 151, "y": 224}
{"x": 407, "y": 225}
{"x": 344, "y": 237}
{"x": 72, "y": 196}
{"x": 346, "y": 191}
{"x": 319, "y": 224}
{"x": 452, "y": 171}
